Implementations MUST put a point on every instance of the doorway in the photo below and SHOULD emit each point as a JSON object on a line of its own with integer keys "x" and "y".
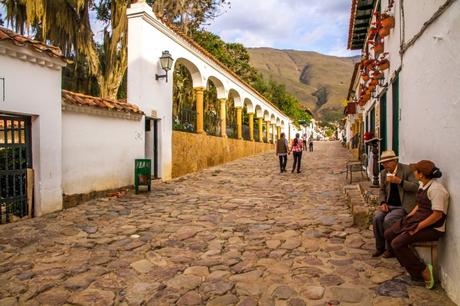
{"x": 151, "y": 144}
{"x": 395, "y": 104}
{"x": 15, "y": 160}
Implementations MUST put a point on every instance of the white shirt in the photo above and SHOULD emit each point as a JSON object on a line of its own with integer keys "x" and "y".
{"x": 439, "y": 198}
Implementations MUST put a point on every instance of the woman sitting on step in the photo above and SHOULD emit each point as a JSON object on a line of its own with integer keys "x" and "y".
{"x": 426, "y": 222}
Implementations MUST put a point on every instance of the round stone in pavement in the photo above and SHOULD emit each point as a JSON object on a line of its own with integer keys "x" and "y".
{"x": 349, "y": 295}
{"x": 93, "y": 297}
{"x": 191, "y": 298}
{"x": 393, "y": 288}
{"x": 283, "y": 292}
{"x": 314, "y": 292}
{"x": 296, "y": 302}
{"x": 228, "y": 299}
{"x": 248, "y": 302}
{"x": 331, "y": 280}
{"x": 10, "y": 301}
{"x": 54, "y": 296}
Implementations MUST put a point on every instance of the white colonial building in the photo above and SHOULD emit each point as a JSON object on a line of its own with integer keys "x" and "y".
{"x": 58, "y": 148}
{"x": 407, "y": 87}
{"x": 30, "y": 126}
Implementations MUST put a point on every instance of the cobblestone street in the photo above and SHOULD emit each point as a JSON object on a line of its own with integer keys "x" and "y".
{"x": 237, "y": 234}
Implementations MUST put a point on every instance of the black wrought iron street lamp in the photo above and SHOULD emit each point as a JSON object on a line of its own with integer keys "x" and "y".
{"x": 166, "y": 62}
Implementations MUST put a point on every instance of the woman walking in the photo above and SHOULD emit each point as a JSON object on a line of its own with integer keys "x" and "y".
{"x": 426, "y": 222}
{"x": 282, "y": 151}
{"x": 296, "y": 148}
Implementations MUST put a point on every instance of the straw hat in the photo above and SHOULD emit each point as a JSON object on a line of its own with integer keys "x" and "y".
{"x": 387, "y": 156}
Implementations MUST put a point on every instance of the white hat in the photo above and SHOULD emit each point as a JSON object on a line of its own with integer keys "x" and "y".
{"x": 387, "y": 156}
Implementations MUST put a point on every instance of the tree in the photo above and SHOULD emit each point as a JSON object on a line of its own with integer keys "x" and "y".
{"x": 67, "y": 24}
{"x": 188, "y": 15}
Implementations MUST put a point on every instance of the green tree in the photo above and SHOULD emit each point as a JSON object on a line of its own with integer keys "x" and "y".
{"x": 188, "y": 15}
{"x": 66, "y": 24}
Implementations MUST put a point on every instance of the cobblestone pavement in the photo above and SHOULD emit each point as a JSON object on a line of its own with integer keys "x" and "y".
{"x": 238, "y": 234}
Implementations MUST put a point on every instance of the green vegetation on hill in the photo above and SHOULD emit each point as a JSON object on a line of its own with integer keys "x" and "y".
{"x": 319, "y": 81}
{"x": 237, "y": 58}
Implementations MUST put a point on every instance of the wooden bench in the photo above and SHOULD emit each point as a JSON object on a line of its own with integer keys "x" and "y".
{"x": 428, "y": 252}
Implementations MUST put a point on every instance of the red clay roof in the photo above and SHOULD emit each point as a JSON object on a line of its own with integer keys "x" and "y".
{"x": 35, "y": 45}
{"x": 79, "y": 99}
{"x": 351, "y": 24}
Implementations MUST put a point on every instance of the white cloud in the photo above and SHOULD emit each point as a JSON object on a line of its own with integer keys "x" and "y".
{"x": 317, "y": 25}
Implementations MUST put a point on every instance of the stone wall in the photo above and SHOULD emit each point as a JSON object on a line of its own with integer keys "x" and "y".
{"x": 193, "y": 152}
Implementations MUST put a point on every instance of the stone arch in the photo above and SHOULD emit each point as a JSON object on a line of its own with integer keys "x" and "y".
{"x": 278, "y": 122}
{"x": 211, "y": 107}
{"x": 266, "y": 115}
{"x": 273, "y": 119}
{"x": 195, "y": 73}
{"x": 233, "y": 101}
{"x": 186, "y": 77}
{"x": 259, "y": 111}
{"x": 249, "y": 105}
{"x": 237, "y": 102}
{"x": 221, "y": 93}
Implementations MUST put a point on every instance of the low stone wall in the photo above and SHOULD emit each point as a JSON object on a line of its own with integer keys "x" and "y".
{"x": 193, "y": 152}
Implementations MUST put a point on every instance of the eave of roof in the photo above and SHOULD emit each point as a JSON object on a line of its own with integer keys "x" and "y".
{"x": 34, "y": 45}
{"x": 73, "y": 98}
{"x": 353, "y": 79}
{"x": 360, "y": 18}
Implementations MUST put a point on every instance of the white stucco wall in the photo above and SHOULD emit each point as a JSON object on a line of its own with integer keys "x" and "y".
{"x": 35, "y": 90}
{"x": 146, "y": 40}
{"x": 430, "y": 125}
{"x": 98, "y": 152}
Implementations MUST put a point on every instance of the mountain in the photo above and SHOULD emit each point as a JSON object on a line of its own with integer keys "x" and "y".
{"x": 320, "y": 82}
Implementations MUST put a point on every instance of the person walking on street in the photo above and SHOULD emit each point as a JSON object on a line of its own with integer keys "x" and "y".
{"x": 398, "y": 187}
{"x": 282, "y": 151}
{"x": 310, "y": 143}
{"x": 304, "y": 141}
{"x": 296, "y": 149}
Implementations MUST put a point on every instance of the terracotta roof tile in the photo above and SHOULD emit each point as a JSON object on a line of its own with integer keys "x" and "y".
{"x": 69, "y": 97}
{"x": 351, "y": 24}
{"x": 35, "y": 45}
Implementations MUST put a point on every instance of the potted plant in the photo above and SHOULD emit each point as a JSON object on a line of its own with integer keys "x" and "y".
{"x": 384, "y": 64}
{"x": 387, "y": 21}
{"x": 383, "y": 32}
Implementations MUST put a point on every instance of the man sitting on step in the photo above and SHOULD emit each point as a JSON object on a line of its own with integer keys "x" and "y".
{"x": 398, "y": 187}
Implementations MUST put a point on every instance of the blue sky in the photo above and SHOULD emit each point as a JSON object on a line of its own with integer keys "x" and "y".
{"x": 312, "y": 25}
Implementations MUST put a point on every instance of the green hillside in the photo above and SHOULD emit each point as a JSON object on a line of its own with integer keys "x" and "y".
{"x": 319, "y": 81}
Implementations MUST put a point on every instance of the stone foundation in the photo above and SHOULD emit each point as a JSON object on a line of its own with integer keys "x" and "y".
{"x": 72, "y": 200}
{"x": 193, "y": 152}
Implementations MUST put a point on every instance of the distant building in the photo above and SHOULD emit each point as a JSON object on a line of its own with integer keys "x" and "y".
{"x": 406, "y": 92}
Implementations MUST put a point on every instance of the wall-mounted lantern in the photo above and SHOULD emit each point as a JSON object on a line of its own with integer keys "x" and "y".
{"x": 166, "y": 62}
